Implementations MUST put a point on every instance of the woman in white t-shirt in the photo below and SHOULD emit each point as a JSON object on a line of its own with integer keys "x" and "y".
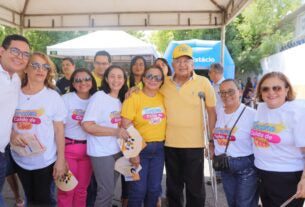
{"x": 102, "y": 123}
{"x": 278, "y": 136}
{"x": 240, "y": 180}
{"x": 82, "y": 87}
{"x": 40, "y": 115}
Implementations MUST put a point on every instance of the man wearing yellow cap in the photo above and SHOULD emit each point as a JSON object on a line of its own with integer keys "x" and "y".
{"x": 184, "y": 134}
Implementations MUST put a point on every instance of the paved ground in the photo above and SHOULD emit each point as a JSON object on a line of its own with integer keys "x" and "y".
{"x": 8, "y": 195}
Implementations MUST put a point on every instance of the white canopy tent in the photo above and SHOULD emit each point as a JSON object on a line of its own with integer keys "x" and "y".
{"x": 126, "y": 14}
{"x": 119, "y": 44}
{"x": 120, "y": 14}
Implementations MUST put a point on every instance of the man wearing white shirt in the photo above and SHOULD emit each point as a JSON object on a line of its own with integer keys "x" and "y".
{"x": 216, "y": 75}
{"x": 14, "y": 56}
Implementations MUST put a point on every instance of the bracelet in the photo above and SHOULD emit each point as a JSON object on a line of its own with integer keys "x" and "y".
{"x": 211, "y": 141}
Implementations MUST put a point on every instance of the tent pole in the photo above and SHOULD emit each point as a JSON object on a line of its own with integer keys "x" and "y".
{"x": 223, "y": 41}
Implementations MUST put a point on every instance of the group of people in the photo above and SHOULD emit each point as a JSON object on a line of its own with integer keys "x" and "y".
{"x": 79, "y": 130}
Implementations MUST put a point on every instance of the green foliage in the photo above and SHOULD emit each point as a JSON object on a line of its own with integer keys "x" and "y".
{"x": 251, "y": 36}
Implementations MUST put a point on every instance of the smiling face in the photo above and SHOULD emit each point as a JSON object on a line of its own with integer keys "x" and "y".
{"x": 15, "y": 57}
{"x": 229, "y": 94}
{"x": 115, "y": 79}
{"x": 183, "y": 66}
{"x": 152, "y": 79}
{"x": 37, "y": 70}
{"x": 82, "y": 82}
{"x": 274, "y": 92}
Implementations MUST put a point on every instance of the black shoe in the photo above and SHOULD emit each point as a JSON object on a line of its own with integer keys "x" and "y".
{"x": 218, "y": 181}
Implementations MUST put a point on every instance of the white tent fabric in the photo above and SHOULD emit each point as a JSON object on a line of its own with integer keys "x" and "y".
{"x": 117, "y": 43}
{"x": 118, "y": 14}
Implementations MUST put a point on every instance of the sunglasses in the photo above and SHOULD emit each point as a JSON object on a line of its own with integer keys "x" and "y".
{"x": 266, "y": 89}
{"x": 16, "y": 52}
{"x": 80, "y": 80}
{"x": 229, "y": 92}
{"x": 36, "y": 66}
{"x": 157, "y": 78}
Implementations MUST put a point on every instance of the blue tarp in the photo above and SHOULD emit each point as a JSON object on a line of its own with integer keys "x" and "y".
{"x": 205, "y": 52}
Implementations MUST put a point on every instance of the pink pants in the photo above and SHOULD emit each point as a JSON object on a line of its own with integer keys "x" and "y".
{"x": 80, "y": 165}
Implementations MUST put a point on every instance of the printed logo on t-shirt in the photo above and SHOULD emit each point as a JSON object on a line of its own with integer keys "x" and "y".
{"x": 154, "y": 114}
{"x": 78, "y": 114}
{"x": 221, "y": 135}
{"x": 115, "y": 117}
{"x": 26, "y": 118}
{"x": 265, "y": 133}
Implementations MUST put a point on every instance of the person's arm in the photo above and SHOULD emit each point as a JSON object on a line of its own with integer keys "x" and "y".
{"x": 60, "y": 167}
{"x": 94, "y": 129}
{"x": 17, "y": 139}
{"x": 211, "y": 118}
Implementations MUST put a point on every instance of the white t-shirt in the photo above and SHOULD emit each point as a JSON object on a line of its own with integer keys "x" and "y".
{"x": 105, "y": 111}
{"x": 278, "y": 135}
{"x": 9, "y": 90}
{"x": 240, "y": 141}
{"x": 219, "y": 104}
{"x": 35, "y": 115}
{"x": 76, "y": 110}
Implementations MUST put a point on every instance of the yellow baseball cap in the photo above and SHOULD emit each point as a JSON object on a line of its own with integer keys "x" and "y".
{"x": 182, "y": 50}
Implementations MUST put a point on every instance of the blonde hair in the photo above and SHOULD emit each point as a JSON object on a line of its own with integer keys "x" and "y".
{"x": 49, "y": 81}
{"x": 282, "y": 77}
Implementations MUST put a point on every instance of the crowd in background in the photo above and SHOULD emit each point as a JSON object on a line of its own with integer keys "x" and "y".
{"x": 79, "y": 120}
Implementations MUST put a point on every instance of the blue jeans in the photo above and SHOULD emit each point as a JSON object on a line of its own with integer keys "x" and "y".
{"x": 3, "y": 164}
{"x": 240, "y": 182}
{"x": 148, "y": 188}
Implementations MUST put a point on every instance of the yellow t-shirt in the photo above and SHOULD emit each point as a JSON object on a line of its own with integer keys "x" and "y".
{"x": 138, "y": 85}
{"x": 97, "y": 79}
{"x": 184, "y": 127}
{"x": 147, "y": 115}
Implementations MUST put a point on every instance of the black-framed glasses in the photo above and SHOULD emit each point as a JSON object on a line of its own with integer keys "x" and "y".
{"x": 266, "y": 89}
{"x": 36, "y": 66}
{"x": 80, "y": 80}
{"x": 101, "y": 63}
{"x": 229, "y": 92}
{"x": 16, "y": 52}
{"x": 157, "y": 78}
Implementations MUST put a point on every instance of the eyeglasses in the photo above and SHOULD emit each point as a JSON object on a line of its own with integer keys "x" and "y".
{"x": 229, "y": 92}
{"x": 80, "y": 80}
{"x": 266, "y": 89}
{"x": 36, "y": 66}
{"x": 184, "y": 62}
{"x": 157, "y": 78}
{"x": 101, "y": 63}
{"x": 16, "y": 52}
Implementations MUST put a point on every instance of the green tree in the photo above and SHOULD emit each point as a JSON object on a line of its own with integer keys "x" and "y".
{"x": 254, "y": 34}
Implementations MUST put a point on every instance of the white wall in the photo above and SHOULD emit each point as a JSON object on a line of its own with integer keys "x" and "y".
{"x": 292, "y": 63}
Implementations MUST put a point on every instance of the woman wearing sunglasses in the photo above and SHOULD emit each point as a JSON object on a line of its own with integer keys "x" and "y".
{"x": 145, "y": 110}
{"x": 240, "y": 179}
{"x": 278, "y": 137}
{"x": 102, "y": 122}
{"x": 82, "y": 86}
{"x": 40, "y": 114}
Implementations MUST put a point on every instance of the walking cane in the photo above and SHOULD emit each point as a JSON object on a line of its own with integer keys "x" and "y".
{"x": 206, "y": 136}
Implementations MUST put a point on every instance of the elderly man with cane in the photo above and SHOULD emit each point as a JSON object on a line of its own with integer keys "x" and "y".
{"x": 184, "y": 142}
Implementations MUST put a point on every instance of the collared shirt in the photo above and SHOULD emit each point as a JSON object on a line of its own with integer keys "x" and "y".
{"x": 9, "y": 91}
{"x": 219, "y": 103}
{"x": 97, "y": 79}
{"x": 184, "y": 114}
{"x": 178, "y": 86}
